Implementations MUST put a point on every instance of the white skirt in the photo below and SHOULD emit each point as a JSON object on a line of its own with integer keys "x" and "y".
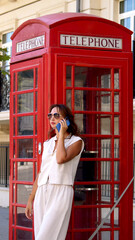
{"x": 52, "y": 209}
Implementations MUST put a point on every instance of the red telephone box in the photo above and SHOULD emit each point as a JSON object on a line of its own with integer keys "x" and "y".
{"x": 85, "y": 62}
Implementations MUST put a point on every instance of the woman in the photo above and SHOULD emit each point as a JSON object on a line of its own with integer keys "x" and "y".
{"x": 53, "y": 188}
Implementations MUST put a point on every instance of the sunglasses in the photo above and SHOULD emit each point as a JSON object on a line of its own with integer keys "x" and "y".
{"x": 55, "y": 115}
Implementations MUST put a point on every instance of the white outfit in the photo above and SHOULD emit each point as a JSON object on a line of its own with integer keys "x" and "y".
{"x": 53, "y": 200}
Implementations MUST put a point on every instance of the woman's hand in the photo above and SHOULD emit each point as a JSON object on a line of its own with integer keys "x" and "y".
{"x": 64, "y": 126}
{"x": 28, "y": 210}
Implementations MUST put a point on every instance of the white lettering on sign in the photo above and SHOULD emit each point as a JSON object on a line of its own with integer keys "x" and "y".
{"x": 91, "y": 42}
{"x": 30, "y": 44}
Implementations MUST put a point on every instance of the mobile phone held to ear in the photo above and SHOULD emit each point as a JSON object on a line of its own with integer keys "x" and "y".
{"x": 58, "y": 126}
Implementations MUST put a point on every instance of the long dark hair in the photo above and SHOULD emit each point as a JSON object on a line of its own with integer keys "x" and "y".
{"x": 66, "y": 113}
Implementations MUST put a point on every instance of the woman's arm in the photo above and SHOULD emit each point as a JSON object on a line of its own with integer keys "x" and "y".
{"x": 28, "y": 210}
{"x": 64, "y": 155}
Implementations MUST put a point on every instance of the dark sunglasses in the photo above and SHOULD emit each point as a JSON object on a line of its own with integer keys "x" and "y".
{"x": 56, "y": 115}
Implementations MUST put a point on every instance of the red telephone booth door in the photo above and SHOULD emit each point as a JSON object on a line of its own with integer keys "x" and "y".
{"x": 95, "y": 90}
{"x": 26, "y": 136}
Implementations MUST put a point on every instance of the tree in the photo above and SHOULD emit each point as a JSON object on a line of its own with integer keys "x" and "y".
{"x": 4, "y": 80}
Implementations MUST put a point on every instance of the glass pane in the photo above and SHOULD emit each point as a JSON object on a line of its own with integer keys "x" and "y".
{"x": 116, "y": 235}
{"x": 105, "y": 150}
{"x": 35, "y": 124}
{"x": 68, "y": 98}
{"x": 116, "y": 125}
{"x": 116, "y": 216}
{"x": 25, "y": 148}
{"x": 25, "y": 171}
{"x": 14, "y": 104}
{"x": 93, "y": 123}
{"x": 105, "y": 235}
{"x": 68, "y": 76}
{"x": 93, "y": 170}
{"x": 116, "y": 78}
{"x": 92, "y": 77}
{"x": 82, "y": 235}
{"x": 13, "y": 148}
{"x": 36, "y": 84}
{"x": 116, "y": 171}
{"x": 14, "y": 126}
{"x": 98, "y": 148}
{"x": 116, "y": 192}
{"x": 21, "y": 220}
{"x": 23, "y": 192}
{"x": 116, "y": 148}
{"x": 25, "y": 80}
{"x": 25, "y": 103}
{"x": 92, "y": 194}
{"x": 92, "y": 101}
{"x": 25, "y": 125}
{"x": 36, "y": 101}
{"x": 14, "y": 84}
{"x": 116, "y": 102}
{"x": 90, "y": 217}
{"x": 21, "y": 234}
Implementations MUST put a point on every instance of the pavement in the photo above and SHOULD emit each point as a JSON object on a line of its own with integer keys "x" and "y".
{"x": 4, "y": 222}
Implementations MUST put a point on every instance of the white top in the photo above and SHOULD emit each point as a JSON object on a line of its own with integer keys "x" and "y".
{"x": 58, "y": 173}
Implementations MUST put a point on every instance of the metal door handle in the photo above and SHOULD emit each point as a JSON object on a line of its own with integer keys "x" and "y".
{"x": 86, "y": 189}
{"x": 39, "y": 148}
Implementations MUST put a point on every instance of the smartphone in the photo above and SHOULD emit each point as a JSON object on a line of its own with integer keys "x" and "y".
{"x": 58, "y": 126}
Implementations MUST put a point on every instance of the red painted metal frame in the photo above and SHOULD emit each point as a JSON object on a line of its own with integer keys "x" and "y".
{"x": 122, "y": 65}
{"x": 37, "y": 137}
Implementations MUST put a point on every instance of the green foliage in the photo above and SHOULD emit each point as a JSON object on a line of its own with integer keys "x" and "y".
{"x": 3, "y": 58}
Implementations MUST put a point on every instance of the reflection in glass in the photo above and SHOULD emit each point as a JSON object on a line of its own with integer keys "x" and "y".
{"x": 103, "y": 170}
{"x": 25, "y": 103}
{"x": 14, "y": 104}
{"x": 93, "y": 123}
{"x": 93, "y": 170}
{"x": 25, "y": 125}
{"x": 105, "y": 150}
{"x": 68, "y": 98}
{"x": 116, "y": 192}
{"x": 21, "y": 234}
{"x": 116, "y": 125}
{"x": 116, "y": 79}
{"x": 116, "y": 102}
{"x": 25, "y": 171}
{"x": 116, "y": 148}
{"x": 116, "y": 235}
{"x": 14, "y": 84}
{"x": 25, "y": 148}
{"x": 14, "y": 126}
{"x": 23, "y": 192}
{"x": 22, "y": 221}
{"x": 116, "y": 171}
{"x": 92, "y": 100}
{"x": 92, "y": 194}
{"x": 116, "y": 216}
{"x": 35, "y": 124}
{"x": 68, "y": 76}
{"x": 36, "y": 78}
{"x": 92, "y": 77}
{"x": 104, "y": 235}
{"x": 36, "y": 101}
{"x": 25, "y": 80}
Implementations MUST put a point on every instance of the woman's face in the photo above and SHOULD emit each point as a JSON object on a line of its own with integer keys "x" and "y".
{"x": 56, "y": 117}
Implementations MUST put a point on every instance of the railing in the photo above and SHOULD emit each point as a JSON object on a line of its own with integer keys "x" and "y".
{"x": 4, "y": 166}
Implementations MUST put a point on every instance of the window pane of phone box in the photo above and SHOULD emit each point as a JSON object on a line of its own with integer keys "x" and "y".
{"x": 25, "y": 171}
{"x": 21, "y": 218}
{"x": 25, "y": 148}
{"x": 92, "y": 77}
